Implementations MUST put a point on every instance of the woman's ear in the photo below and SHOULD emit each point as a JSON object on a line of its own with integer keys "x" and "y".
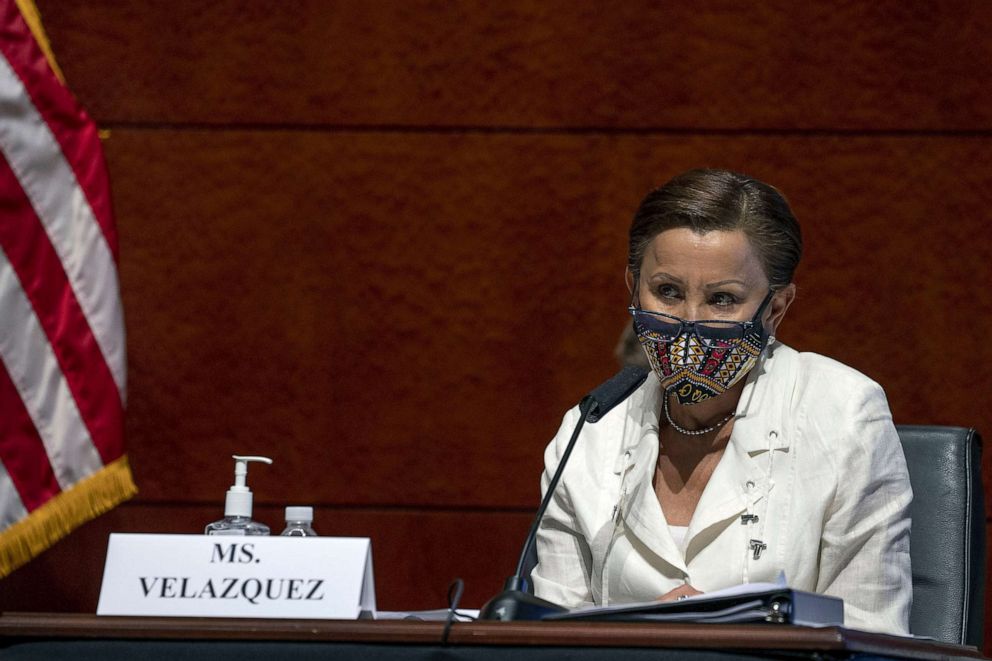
{"x": 779, "y": 305}
{"x": 629, "y": 279}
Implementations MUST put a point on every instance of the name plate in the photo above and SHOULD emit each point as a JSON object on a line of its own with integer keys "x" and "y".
{"x": 220, "y": 576}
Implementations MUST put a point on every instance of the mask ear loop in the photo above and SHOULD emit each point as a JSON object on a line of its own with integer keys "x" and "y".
{"x": 756, "y": 319}
{"x": 635, "y": 301}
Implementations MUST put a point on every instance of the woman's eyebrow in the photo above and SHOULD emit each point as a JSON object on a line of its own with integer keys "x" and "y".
{"x": 667, "y": 276}
{"x": 715, "y": 285}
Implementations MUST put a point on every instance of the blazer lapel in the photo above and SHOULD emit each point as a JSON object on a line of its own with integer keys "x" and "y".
{"x": 725, "y": 497}
{"x": 642, "y": 513}
{"x": 742, "y": 469}
{"x": 639, "y": 507}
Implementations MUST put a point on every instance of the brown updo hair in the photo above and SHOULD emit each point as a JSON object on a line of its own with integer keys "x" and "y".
{"x": 705, "y": 200}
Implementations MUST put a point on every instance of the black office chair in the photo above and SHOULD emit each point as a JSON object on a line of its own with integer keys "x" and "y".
{"x": 947, "y": 544}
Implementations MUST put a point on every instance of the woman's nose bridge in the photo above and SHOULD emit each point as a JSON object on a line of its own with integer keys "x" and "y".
{"x": 691, "y": 309}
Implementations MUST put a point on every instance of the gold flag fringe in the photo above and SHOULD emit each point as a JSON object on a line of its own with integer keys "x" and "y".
{"x": 33, "y": 18}
{"x": 82, "y": 502}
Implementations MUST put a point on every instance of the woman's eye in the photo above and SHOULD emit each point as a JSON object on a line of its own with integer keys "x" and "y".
{"x": 723, "y": 300}
{"x": 668, "y": 291}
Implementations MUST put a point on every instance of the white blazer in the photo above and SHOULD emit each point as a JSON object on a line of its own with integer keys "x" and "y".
{"x": 813, "y": 454}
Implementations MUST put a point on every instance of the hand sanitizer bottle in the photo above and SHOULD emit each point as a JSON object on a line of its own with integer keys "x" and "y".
{"x": 237, "y": 506}
{"x": 298, "y": 520}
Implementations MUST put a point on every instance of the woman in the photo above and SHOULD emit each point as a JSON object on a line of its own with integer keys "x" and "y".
{"x": 738, "y": 458}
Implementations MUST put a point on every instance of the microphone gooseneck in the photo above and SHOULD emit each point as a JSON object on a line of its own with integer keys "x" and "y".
{"x": 514, "y": 603}
{"x": 585, "y": 407}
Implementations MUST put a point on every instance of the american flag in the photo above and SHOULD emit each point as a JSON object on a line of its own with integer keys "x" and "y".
{"x": 63, "y": 375}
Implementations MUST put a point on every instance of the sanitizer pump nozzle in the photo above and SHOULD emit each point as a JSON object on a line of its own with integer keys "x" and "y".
{"x": 238, "y": 504}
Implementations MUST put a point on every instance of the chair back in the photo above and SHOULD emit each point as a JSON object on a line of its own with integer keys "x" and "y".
{"x": 947, "y": 543}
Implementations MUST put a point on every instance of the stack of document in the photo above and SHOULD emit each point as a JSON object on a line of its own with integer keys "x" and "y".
{"x": 753, "y": 602}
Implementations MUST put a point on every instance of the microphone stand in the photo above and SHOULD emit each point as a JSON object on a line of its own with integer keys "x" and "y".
{"x": 514, "y": 602}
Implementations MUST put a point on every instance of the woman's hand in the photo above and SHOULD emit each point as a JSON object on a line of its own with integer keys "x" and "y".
{"x": 685, "y": 590}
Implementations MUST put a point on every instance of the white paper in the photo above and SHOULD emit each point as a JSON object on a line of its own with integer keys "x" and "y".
{"x": 438, "y": 614}
{"x": 743, "y": 589}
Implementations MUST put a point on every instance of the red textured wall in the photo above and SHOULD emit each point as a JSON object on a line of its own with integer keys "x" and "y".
{"x": 383, "y": 242}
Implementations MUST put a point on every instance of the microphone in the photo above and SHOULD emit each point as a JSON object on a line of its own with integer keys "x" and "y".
{"x": 514, "y": 602}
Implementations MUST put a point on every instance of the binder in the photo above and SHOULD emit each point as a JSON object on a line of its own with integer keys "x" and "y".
{"x": 777, "y": 605}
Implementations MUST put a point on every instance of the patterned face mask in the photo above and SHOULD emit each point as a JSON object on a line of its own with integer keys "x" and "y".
{"x": 697, "y": 360}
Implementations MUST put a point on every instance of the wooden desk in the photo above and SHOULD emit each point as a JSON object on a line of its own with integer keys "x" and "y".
{"x": 74, "y": 636}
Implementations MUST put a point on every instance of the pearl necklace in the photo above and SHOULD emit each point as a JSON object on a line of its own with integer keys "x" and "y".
{"x": 692, "y": 432}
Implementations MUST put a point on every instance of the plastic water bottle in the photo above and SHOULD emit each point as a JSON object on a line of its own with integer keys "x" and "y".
{"x": 298, "y": 520}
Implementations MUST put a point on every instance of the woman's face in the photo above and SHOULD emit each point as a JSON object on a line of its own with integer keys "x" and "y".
{"x": 716, "y": 275}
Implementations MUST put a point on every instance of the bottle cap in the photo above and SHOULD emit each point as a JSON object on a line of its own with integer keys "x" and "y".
{"x": 299, "y": 514}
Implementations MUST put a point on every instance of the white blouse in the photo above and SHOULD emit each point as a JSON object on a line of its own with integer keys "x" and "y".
{"x": 679, "y": 534}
